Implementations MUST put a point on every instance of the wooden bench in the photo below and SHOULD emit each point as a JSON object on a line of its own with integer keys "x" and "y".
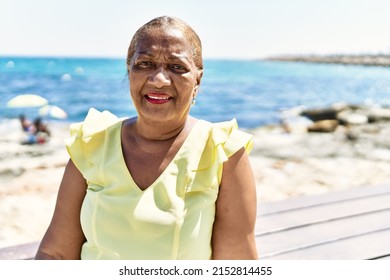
{"x": 20, "y": 252}
{"x": 343, "y": 225}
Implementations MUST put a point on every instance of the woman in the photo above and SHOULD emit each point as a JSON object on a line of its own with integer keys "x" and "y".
{"x": 162, "y": 185}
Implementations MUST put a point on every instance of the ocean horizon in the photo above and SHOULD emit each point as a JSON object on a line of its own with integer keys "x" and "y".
{"x": 252, "y": 91}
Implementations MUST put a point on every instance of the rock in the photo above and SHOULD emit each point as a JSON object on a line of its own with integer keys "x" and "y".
{"x": 378, "y": 114}
{"x": 351, "y": 118}
{"x": 293, "y": 122}
{"x": 323, "y": 126}
{"x": 296, "y": 124}
{"x": 340, "y": 106}
{"x": 320, "y": 114}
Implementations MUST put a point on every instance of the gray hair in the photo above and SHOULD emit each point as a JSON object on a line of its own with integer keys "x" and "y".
{"x": 169, "y": 22}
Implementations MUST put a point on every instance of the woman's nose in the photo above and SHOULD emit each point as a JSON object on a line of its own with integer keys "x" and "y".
{"x": 160, "y": 78}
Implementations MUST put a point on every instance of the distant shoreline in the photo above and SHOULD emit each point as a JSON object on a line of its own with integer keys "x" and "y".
{"x": 364, "y": 60}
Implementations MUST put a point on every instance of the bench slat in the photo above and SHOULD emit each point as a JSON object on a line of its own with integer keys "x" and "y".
{"x": 321, "y": 213}
{"x": 19, "y": 252}
{"x": 270, "y": 208}
{"x": 322, "y": 233}
{"x": 368, "y": 246}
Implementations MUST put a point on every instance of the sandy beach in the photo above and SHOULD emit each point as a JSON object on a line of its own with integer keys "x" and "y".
{"x": 285, "y": 165}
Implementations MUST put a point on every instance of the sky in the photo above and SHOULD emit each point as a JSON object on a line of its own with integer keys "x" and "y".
{"x": 229, "y": 29}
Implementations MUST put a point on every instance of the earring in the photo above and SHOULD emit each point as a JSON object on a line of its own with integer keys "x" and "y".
{"x": 193, "y": 101}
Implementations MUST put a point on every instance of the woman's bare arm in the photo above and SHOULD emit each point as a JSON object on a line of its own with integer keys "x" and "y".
{"x": 64, "y": 237}
{"x": 233, "y": 233}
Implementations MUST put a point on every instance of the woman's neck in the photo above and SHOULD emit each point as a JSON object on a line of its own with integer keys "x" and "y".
{"x": 161, "y": 132}
{"x": 153, "y": 138}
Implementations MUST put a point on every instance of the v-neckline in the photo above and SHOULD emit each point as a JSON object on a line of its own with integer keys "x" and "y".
{"x": 127, "y": 172}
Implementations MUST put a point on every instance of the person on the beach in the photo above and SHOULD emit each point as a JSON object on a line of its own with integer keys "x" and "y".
{"x": 36, "y": 132}
{"x": 163, "y": 184}
{"x": 26, "y": 124}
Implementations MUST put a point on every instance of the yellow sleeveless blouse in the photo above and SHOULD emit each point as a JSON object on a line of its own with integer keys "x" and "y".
{"x": 173, "y": 218}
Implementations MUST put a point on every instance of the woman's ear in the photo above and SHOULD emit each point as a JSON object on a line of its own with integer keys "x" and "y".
{"x": 198, "y": 79}
{"x": 200, "y": 74}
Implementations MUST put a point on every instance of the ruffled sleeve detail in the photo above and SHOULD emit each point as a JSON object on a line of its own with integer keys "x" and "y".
{"x": 225, "y": 140}
{"x": 86, "y": 139}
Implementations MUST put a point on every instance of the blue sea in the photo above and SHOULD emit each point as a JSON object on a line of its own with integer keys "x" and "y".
{"x": 253, "y": 92}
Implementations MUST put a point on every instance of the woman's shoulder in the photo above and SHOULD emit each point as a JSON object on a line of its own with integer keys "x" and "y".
{"x": 94, "y": 122}
{"x": 230, "y": 136}
{"x": 87, "y": 137}
{"x": 224, "y": 139}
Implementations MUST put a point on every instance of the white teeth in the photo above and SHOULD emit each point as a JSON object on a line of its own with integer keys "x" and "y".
{"x": 159, "y": 97}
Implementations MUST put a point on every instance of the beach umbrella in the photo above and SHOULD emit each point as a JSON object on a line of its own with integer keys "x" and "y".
{"x": 52, "y": 111}
{"x": 27, "y": 100}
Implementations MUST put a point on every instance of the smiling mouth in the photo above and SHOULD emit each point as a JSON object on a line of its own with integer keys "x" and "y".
{"x": 157, "y": 99}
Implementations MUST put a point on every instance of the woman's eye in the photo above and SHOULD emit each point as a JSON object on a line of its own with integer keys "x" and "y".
{"x": 178, "y": 68}
{"x": 145, "y": 64}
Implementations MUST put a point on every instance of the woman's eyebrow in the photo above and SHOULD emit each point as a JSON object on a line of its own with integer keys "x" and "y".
{"x": 144, "y": 53}
{"x": 178, "y": 57}
{"x": 172, "y": 56}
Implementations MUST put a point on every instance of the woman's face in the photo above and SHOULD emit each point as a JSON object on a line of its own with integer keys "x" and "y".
{"x": 163, "y": 76}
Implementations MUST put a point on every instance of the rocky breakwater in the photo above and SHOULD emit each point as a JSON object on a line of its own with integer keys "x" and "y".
{"x": 322, "y": 149}
{"x": 366, "y": 60}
